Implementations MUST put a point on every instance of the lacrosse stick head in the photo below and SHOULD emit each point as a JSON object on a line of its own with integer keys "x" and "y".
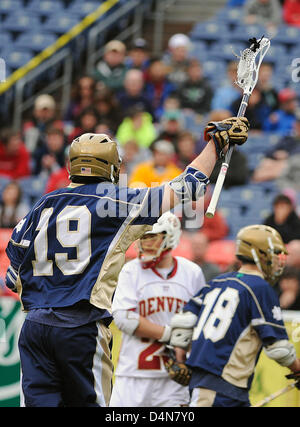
{"x": 249, "y": 63}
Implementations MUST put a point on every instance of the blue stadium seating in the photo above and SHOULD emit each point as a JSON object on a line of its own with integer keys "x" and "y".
{"x": 81, "y": 8}
{"x": 8, "y": 6}
{"x": 18, "y": 22}
{"x": 245, "y": 32}
{"x": 36, "y": 41}
{"x": 16, "y": 58}
{"x": 45, "y": 8}
{"x": 60, "y": 24}
{"x": 210, "y": 30}
{"x": 5, "y": 39}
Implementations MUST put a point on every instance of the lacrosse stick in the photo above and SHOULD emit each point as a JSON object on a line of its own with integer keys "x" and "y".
{"x": 275, "y": 395}
{"x": 247, "y": 75}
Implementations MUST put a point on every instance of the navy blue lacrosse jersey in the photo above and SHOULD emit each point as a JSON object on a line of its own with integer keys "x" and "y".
{"x": 71, "y": 245}
{"x": 237, "y": 313}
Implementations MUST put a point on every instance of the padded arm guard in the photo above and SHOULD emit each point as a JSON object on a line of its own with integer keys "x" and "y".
{"x": 182, "y": 329}
{"x": 127, "y": 321}
{"x": 283, "y": 352}
{"x": 190, "y": 185}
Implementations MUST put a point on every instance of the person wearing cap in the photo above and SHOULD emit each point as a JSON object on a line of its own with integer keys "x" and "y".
{"x": 138, "y": 55}
{"x": 43, "y": 116}
{"x": 111, "y": 70}
{"x": 282, "y": 120}
{"x": 284, "y": 218}
{"x": 172, "y": 124}
{"x": 160, "y": 169}
{"x": 177, "y": 59}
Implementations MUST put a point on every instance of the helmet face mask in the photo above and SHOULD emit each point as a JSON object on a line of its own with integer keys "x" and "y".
{"x": 263, "y": 245}
{"x": 95, "y": 155}
{"x": 163, "y": 237}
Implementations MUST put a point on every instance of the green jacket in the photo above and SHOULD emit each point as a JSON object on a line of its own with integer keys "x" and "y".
{"x": 144, "y": 135}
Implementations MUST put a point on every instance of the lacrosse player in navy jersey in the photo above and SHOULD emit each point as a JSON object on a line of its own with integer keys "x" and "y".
{"x": 65, "y": 257}
{"x": 231, "y": 319}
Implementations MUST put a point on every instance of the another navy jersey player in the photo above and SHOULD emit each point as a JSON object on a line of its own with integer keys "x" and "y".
{"x": 66, "y": 255}
{"x": 234, "y": 317}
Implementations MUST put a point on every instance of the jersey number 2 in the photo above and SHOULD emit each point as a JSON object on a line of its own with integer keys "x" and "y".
{"x": 73, "y": 230}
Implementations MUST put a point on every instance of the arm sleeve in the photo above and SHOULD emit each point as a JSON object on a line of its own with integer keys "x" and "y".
{"x": 267, "y": 316}
{"x": 125, "y": 297}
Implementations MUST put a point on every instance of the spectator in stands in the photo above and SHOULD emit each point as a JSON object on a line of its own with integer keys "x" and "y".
{"x": 108, "y": 108}
{"x": 59, "y": 178}
{"x": 14, "y": 156}
{"x": 177, "y": 59}
{"x": 86, "y": 123}
{"x": 289, "y": 289}
{"x": 291, "y": 12}
{"x": 133, "y": 155}
{"x": 171, "y": 125}
{"x": 158, "y": 170}
{"x": 275, "y": 162}
{"x": 263, "y": 12}
{"x": 293, "y": 257}
{"x": 51, "y": 156}
{"x": 290, "y": 175}
{"x": 196, "y": 93}
{"x": 111, "y": 70}
{"x": 82, "y": 97}
{"x": 264, "y": 84}
{"x": 186, "y": 149}
{"x": 12, "y": 207}
{"x": 138, "y": 126}
{"x": 284, "y": 218}
{"x": 44, "y": 115}
{"x": 256, "y": 112}
{"x": 138, "y": 55}
{"x": 133, "y": 95}
{"x": 282, "y": 120}
{"x": 157, "y": 86}
{"x": 225, "y": 95}
{"x": 199, "y": 243}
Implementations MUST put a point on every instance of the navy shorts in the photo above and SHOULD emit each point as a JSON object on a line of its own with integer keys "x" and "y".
{"x": 65, "y": 366}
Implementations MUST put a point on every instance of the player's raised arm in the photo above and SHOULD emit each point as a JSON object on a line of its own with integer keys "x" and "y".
{"x": 191, "y": 184}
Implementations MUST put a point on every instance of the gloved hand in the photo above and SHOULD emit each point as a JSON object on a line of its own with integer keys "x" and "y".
{"x": 229, "y": 131}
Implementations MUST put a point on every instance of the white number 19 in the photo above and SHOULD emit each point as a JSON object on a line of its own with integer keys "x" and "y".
{"x": 78, "y": 237}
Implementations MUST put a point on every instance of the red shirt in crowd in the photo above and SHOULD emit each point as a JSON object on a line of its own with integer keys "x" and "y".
{"x": 291, "y": 12}
{"x": 57, "y": 180}
{"x": 15, "y": 165}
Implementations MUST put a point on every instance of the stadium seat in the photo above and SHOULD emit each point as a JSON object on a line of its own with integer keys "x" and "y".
{"x": 16, "y": 58}
{"x": 33, "y": 187}
{"x": 60, "y": 24}
{"x": 17, "y": 22}
{"x": 5, "y": 39}
{"x": 8, "y": 6}
{"x": 36, "y": 41}
{"x": 44, "y": 8}
{"x": 288, "y": 35}
{"x": 209, "y": 30}
{"x": 82, "y": 9}
{"x": 245, "y": 32}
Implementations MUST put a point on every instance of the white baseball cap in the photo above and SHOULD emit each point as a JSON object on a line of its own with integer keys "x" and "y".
{"x": 179, "y": 40}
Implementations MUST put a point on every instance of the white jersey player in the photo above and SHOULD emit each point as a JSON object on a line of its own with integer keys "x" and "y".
{"x": 151, "y": 289}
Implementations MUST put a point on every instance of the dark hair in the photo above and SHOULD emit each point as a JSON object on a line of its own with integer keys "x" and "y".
{"x": 245, "y": 260}
{"x": 7, "y": 134}
{"x": 290, "y": 273}
{"x": 12, "y": 220}
{"x": 88, "y": 179}
{"x": 282, "y": 198}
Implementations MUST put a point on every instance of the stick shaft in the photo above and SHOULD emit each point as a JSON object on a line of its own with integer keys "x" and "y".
{"x": 275, "y": 395}
{"x": 224, "y": 168}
